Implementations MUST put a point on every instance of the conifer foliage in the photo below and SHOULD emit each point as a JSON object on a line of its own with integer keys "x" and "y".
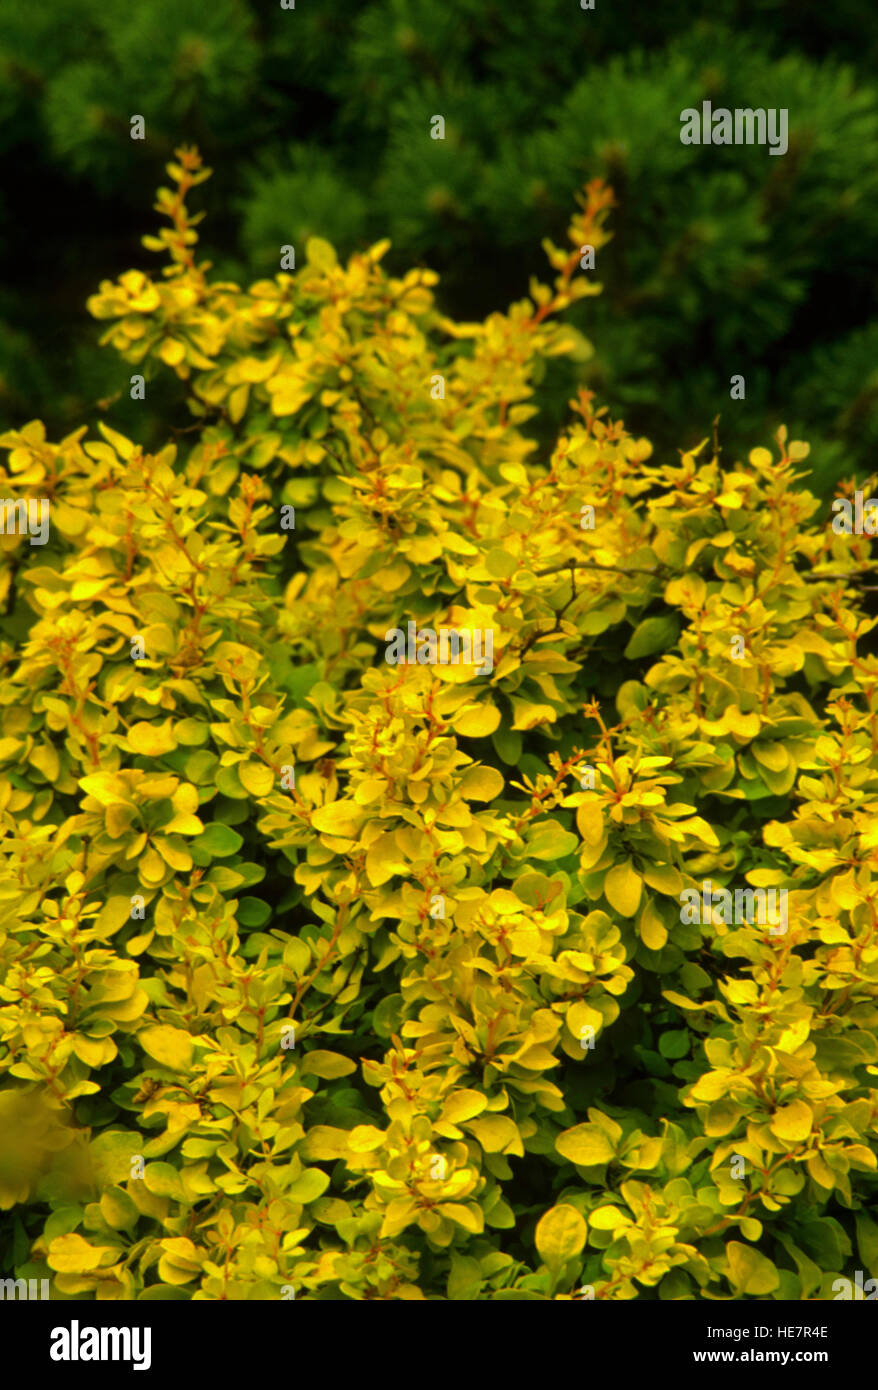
{"x": 724, "y": 261}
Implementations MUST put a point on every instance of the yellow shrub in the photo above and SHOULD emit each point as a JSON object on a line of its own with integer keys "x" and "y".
{"x": 330, "y": 972}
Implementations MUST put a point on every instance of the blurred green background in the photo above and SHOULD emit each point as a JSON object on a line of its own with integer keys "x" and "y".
{"x": 725, "y": 260}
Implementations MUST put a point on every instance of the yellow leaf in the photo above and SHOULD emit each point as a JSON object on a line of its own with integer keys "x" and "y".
{"x": 94, "y": 1051}
{"x": 117, "y": 1209}
{"x": 471, "y": 1218}
{"x": 150, "y": 739}
{"x": 184, "y": 824}
{"x": 340, "y": 818}
{"x": 320, "y": 253}
{"x": 170, "y": 1047}
{"x": 71, "y": 1254}
{"x": 397, "y": 1216}
{"x": 653, "y": 932}
{"x": 370, "y": 790}
{"x": 585, "y": 1144}
{"x": 743, "y": 726}
{"x": 105, "y": 788}
{"x": 463, "y": 1105}
{"x": 384, "y": 859}
{"x": 581, "y": 1016}
{"x": 689, "y": 591}
{"x": 172, "y": 351}
{"x": 327, "y": 1065}
{"x": 45, "y": 758}
{"x": 115, "y": 912}
{"x": 820, "y": 1171}
{"x": 171, "y": 1273}
{"x": 364, "y": 1138}
{"x": 172, "y": 854}
{"x": 481, "y": 784}
{"x": 560, "y": 1235}
{"x": 622, "y": 888}
{"x": 529, "y": 714}
{"x": 793, "y": 1122}
{"x": 151, "y": 868}
{"x": 608, "y": 1219}
{"x": 476, "y": 721}
{"x": 324, "y": 1143}
{"x": 590, "y": 822}
{"x": 497, "y": 1134}
{"x": 124, "y": 448}
{"x": 256, "y": 778}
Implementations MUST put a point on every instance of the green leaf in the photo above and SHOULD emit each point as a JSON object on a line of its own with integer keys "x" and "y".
{"x": 228, "y": 783}
{"x": 191, "y": 733}
{"x": 653, "y": 635}
{"x": 218, "y": 840}
{"x": 388, "y": 1015}
{"x": 675, "y": 1043}
{"x": 253, "y": 912}
{"x": 507, "y": 745}
{"x": 465, "y": 1278}
{"x": 867, "y": 1242}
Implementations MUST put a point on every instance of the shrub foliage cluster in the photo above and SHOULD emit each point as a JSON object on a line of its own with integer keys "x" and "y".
{"x": 329, "y": 978}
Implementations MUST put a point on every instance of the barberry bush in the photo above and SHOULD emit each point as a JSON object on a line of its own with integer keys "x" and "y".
{"x": 330, "y": 978}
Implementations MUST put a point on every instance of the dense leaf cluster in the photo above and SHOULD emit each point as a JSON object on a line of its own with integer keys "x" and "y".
{"x": 333, "y": 978}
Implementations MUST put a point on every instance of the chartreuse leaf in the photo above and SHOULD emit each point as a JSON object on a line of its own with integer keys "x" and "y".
{"x": 652, "y": 635}
{"x": 750, "y": 1272}
{"x": 560, "y": 1235}
{"x": 117, "y": 1209}
{"x": 465, "y": 1278}
{"x": 72, "y": 1254}
{"x": 310, "y": 1185}
{"x": 793, "y": 1122}
{"x": 171, "y": 1047}
{"x": 585, "y": 1144}
{"x": 623, "y": 887}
